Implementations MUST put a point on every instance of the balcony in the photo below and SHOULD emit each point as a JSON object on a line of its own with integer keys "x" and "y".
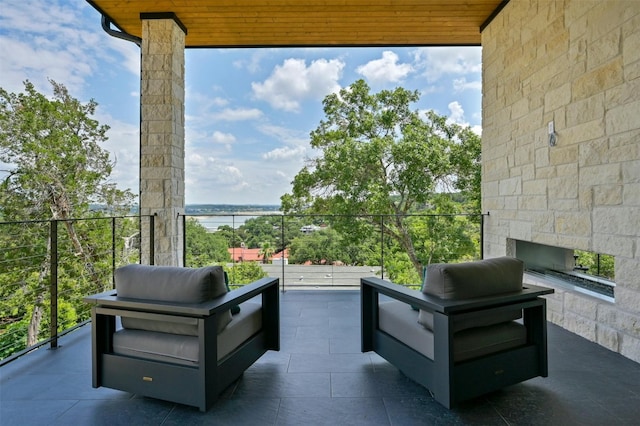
{"x": 320, "y": 377}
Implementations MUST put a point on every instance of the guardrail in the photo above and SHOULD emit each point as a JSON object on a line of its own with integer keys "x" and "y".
{"x": 341, "y": 267}
{"x": 47, "y": 266}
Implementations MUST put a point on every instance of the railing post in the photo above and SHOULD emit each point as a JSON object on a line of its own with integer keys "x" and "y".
{"x": 481, "y": 236}
{"x": 113, "y": 252}
{"x": 184, "y": 239}
{"x": 382, "y": 246}
{"x": 53, "y": 284}
{"x": 283, "y": 249}
{"x": 152, "y": 237}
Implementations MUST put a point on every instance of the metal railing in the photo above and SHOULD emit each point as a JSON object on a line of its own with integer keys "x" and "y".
{"x": 340, "y": 267}
{"x": 48, "y": 266}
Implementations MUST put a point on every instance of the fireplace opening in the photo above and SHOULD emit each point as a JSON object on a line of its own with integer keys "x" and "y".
{"x": 578, "y": 270}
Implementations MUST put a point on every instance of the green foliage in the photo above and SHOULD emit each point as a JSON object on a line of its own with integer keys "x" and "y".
{"x": 57, "y": 165}
{"x": 245, "y": 273}
{"x": 268, "y": 229}
{"x": 55, "y": 169}
{"x": 380, "y": 161}
{"x": 204, "y": 247}
{"x": 599, "y": 265}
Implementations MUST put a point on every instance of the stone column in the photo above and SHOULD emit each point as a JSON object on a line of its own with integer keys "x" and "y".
{"x": 162, "y": 135}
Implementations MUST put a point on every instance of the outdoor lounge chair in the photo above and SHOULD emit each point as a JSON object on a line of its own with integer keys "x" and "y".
{"x": 178, "y": 340}
{"x": 473, "y": 329}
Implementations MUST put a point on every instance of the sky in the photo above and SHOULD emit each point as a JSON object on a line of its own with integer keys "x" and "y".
{"x": 248, "y": 112}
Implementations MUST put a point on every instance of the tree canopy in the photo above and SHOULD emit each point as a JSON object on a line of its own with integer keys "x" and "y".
{"x": 56, "y": 166}
{"x": 379, "y": 160}
{"x": 53, "y": 168}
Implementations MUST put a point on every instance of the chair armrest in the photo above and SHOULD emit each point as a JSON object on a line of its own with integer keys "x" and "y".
{"x": 448, "y": 307}
{"x": 110, "y": 299}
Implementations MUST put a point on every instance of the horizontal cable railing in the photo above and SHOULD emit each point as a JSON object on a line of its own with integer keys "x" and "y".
{"x": 48, "y": 266}
{"x": 322, "y": 251}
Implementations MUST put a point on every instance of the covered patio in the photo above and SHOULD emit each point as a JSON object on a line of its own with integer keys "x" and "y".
{"x": 321, "y": 377}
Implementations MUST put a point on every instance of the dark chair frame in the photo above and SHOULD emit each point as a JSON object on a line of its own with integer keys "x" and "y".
{"x": 449, "y": 381}
{"x": 198, "y": 386}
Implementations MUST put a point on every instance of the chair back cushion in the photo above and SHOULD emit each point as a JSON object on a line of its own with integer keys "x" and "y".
{"x": 170, "y": 284}
{"x": 469, "y": 280}
{"x": 459, "y": 281}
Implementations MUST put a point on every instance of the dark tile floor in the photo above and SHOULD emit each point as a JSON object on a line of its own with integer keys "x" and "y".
{"x": 320, "y": 377}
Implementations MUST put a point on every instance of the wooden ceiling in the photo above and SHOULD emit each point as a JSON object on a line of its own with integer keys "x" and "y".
{"x": 288, "y": 23}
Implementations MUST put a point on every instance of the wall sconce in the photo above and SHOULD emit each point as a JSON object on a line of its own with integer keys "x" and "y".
{"x": 553, "y": 139}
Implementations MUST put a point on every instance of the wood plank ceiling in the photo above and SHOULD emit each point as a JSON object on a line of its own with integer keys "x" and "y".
{"x": 266, "y": 23}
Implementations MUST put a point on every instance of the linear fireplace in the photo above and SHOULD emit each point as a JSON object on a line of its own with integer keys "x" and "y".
{"x": 567, "y": 268}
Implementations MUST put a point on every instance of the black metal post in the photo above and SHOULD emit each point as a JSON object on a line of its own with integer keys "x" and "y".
{"x": 283, "y": 249}
{"x": 152, "y": 237}
{"x": 482, "y": 236}
{"x": 382, "y": 246}
{"x": 184, "y": 239}
{"x": 53, "y": 287}
{"x": 113, "y": 252}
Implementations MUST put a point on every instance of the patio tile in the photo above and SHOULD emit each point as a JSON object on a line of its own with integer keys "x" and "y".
{"x": 320, "y": 378}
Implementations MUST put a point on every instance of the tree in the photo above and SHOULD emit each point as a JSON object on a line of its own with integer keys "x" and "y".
{"x": 203, "y": 247}
{"x": 55, "y": 170}
{"x": 266, "y": 251}
{"x": 379, "y": 161}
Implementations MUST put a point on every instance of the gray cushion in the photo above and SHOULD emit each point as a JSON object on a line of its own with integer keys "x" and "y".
{"x": 479, "y": 341}
{"x": 170, "y": 284}
{"x": 474, "y": 279}
{"x": 400, "y": 321}
{"x": 173, "y": 348}
{"x": 246, "y": 323}
{"x": 182, "y": 349}
{"x": 425, "y": 318}
{"x": 186, "y": 329}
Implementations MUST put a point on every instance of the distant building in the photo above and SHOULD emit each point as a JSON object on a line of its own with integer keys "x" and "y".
{"x": 279, "y": 259}
{"x": 242, "y": 254}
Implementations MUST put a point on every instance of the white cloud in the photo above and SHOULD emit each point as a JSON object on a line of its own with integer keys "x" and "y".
{"x": 285, "y": 153}
{"x": 56, "y": 41}
{"x": 223, "y": 138}
{"x": 237, "y": 114}
{"x": 293, "y": 81}
{"x": 461, "y": 84}
{"x": 456, "y": 115}
{"x": 439, "y": 61}
{"x": 253, "y": 62}
{"x": 226, "y": 139}
{"x": 285, "y": 134}
{"x": 124, "y": 148}
{"x": 385, "y": 69}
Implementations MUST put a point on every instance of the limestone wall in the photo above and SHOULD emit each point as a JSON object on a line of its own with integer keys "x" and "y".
{"x": 577, "y": 63}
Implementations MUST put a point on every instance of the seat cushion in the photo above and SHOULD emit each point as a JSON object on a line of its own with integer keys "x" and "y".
{"x": 170, "y": 284}
{"x": 165, "y": 347}
{"x": 401, "y": 322}
{"x": 184, "y": 350}
{"x": 479, "y": 341}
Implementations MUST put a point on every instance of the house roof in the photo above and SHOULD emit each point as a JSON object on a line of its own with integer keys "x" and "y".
{"x": 253, "y": 23}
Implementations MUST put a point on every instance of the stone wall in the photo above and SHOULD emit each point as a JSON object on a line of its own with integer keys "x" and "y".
{"x": 577, "y": 63}
{"x": 162, "y": 136}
